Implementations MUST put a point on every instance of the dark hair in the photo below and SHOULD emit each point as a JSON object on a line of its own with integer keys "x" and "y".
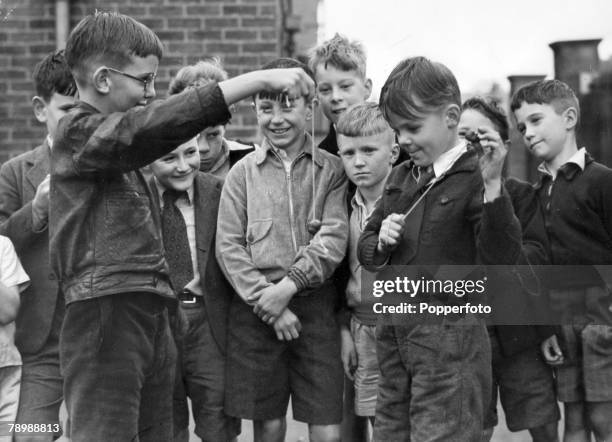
{"x": 417, "y": 86}
{"x": 108, "y": 37}
{"x": 52, "y": 75}
{"x": 282, "y": 63}
{"x": 490, "y": 110}
{"x": 554, "y": 92}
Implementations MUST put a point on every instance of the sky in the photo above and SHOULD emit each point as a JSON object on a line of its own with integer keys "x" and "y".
{"x": 481, "y": 41}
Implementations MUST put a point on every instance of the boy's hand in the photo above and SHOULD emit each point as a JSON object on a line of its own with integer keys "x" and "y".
{"x": 552, "y": 351}
{"x": 40, "y": 203}
{"x": 390, "y": 233}
{"x": 295, "y": 82}
{"x": 492, "y": 162}
{"x": 272, "y": 300}
{"x": 348, "y": 354}
{"x": 287, "y": 326}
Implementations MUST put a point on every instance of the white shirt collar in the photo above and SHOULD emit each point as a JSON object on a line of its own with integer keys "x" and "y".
{"x": 50, "y": 141}
{"x": 445, "y": 161}
{"x": 579, "y": 158}
{"x": 161, "y": 189}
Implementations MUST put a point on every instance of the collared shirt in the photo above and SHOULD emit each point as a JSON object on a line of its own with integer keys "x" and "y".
{"x": 282, "y": 154}
{"x": 186, "y": 206}
{"x": 579, "y": 158}
{"x": 361, "y": 309}
{"x": 446, "y": 160}
{"x": 50, "y": 141}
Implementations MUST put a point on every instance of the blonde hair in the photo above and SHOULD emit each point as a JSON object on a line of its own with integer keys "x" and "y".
{"x": 341, "y": 53}
{"x": 199, "y": 74}
{"x": 363, "y": 120}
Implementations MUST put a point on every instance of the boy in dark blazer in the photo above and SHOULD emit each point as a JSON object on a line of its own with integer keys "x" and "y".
{"x": 24, "y": 208}
{"x": 204, "y": 294}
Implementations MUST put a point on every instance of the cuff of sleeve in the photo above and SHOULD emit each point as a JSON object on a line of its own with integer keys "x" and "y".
{"x": 298, "y": 277}
{"x": 213, "y": 104}
{"x": 368, "y": 252}
{"x": 500, "y": 210}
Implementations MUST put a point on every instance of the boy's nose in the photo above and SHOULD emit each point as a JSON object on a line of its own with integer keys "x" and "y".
{"x": 150, "y": 91}
{"x": 181, "y": 164}
{"x": 403, "y": 139}
{"x": 277, "y": 116}
{"x": 336, "y": 96}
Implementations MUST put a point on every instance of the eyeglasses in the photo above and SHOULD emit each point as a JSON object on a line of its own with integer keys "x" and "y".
{"x": 148, "y": 80}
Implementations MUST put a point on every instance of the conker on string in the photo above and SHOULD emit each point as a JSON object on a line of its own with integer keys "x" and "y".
{"x": 314, "y": 226}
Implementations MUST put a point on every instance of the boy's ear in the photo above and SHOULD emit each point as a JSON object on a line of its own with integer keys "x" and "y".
{"x": 571, "y": 117}
{"x": 452, "y": 115}
{"x": 368, "y": 86}
{"x": 395, "y": 151}
{"x": 40, "y": 109}
{"x": 309, "y": 106}
{"x": 101, "y": 80}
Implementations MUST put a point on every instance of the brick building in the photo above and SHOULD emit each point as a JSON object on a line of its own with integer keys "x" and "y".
{"x": 243, "y": 33}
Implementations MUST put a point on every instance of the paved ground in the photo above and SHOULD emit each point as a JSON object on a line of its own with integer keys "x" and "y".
{"x": 298, "y": 432}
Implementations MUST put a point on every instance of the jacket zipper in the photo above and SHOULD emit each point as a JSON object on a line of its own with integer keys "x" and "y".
{"x": 291, "y": 214}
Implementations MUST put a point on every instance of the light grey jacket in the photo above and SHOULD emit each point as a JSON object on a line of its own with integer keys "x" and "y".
{"x": 262, "y": 230}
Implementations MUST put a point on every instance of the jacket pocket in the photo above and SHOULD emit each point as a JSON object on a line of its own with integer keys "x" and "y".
{"x": 129, "y": 233}
{"x": 260, "y": 250}
{"x": 442, "y": 209}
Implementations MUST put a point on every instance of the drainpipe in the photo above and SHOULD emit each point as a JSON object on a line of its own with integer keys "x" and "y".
{"x": 62, "y": 22}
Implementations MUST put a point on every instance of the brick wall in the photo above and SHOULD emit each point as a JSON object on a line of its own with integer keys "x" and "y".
{"x": 243, "y": 33}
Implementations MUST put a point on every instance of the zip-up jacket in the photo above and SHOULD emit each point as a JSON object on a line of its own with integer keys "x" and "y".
{"x": 264, "y": 213}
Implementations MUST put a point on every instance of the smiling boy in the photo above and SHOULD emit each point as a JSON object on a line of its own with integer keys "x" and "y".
{"x": 283, "y": 339}
{"x": 339, "y": 66}
{"x": 189, "y": 202}
{"x": 430, "y": 387}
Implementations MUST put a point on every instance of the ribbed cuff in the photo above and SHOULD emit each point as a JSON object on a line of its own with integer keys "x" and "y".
{"x": 298, "y": 277}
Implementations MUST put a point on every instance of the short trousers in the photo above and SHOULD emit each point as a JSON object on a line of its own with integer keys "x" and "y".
{"x": 118, "y": 359}
{"x": 201, "y": 377}
{"x": 263, "y": 372}
{"x": 526, "y": 389}
{"x": 588, "y": 374}
{"x": 366, "y": 374}
{"x": 435, "y": 381}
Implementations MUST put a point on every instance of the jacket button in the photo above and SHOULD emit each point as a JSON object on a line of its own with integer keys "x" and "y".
{"x": 444, "y": 200}
{"x": 52, "y": 277}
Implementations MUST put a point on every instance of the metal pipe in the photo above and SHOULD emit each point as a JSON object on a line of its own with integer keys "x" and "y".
{"x": 62, "y": 22}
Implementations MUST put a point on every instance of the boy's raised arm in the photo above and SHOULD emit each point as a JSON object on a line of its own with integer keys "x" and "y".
{"x": 231, "y": 251}
{"x": 294, "y": 81}
{"x": 497, "y": 230}
{"x": 124, "y": 141}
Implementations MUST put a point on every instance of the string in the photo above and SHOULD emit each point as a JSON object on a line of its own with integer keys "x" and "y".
{"x": 313, "y": 147}
{"x": 435, "y": 180}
